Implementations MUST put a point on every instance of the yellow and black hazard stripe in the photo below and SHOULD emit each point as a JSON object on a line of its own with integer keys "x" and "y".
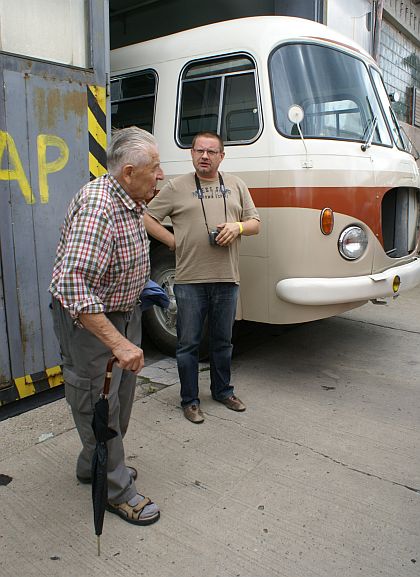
{"x": 32, "y": 384}
{"x": 97, "y": 130}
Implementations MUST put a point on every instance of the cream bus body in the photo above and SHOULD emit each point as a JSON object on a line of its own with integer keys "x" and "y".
{"x": 348, "y": 155}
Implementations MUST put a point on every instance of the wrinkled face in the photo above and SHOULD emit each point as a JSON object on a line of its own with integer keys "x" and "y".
{"x": 140, "y": 182}
{"x": 206, "y": 157}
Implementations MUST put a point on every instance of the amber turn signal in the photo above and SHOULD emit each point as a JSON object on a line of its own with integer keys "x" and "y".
{"x": 327, "y": 220}
{"x": 396, "y": 283}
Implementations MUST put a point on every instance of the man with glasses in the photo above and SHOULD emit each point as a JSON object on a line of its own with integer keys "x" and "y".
{"x": 210, "y": 211}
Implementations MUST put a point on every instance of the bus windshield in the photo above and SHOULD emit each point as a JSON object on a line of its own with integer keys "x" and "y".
{"x": 333, "y": 88}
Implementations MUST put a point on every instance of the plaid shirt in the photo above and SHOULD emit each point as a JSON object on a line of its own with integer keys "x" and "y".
{"x": 102, "y": 261}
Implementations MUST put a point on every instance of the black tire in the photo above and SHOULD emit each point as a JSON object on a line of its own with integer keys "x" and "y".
{"x": 160, "y": 324}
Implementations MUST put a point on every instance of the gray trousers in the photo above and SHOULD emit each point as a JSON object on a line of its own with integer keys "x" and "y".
{"x": 84, "y": 365}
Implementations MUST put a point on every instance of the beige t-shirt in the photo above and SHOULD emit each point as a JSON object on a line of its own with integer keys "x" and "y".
{"x": 196, "y": 260}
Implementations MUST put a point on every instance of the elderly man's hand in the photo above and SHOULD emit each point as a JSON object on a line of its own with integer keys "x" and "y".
{"x": 129, "y": 356}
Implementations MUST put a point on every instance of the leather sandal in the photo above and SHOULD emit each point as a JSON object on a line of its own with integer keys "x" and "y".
{"x": 132, "y": 514}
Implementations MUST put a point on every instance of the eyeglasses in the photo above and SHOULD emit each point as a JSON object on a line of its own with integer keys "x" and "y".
{"x": 210, "y": 152}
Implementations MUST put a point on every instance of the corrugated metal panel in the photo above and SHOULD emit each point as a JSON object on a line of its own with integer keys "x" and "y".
{"x": 5, "y": 371}
{"x": 52, "y": 137}
{"x": 48, "y": 135}
{"x": 48, "y": 144}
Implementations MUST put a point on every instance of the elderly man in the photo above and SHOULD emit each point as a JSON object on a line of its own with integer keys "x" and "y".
{"x": 210, "y": 211}
{"x": 101, "y": 267}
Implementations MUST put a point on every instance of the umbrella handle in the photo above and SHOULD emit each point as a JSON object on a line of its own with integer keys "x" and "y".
{"x": 108, "y": 375}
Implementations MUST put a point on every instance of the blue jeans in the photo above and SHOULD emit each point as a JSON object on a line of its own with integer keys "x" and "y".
{"x": 217, "y": 301}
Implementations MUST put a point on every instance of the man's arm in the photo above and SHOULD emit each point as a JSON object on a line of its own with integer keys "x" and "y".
{"x": 129, "y": 356}
{"x": 250, "y": 227}
{"x": 229, "y": 231}
{"x": 158, "y": 231}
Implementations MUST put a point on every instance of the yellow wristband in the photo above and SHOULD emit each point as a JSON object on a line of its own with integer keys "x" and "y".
{"x": 241, "y": 227}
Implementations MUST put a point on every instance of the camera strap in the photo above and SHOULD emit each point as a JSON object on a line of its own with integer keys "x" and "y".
{"x": 200, "y": 195}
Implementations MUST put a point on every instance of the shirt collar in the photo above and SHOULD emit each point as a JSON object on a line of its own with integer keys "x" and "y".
{"x": 124, "y": 197}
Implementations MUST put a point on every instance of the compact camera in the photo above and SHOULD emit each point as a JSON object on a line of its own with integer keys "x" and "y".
{"x": 212, "y": 237}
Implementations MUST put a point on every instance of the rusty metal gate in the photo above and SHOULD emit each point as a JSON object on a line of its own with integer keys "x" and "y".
{"x": 52, "y": 140}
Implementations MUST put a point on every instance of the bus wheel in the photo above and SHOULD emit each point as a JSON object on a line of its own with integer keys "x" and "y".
{"x": 159, "y": 323}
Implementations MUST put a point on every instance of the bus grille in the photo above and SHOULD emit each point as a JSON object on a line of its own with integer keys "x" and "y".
{"x": 400, "y": 221}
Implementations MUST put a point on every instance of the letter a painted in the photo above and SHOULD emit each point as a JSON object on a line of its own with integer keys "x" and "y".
{"x": 15, "y": 170}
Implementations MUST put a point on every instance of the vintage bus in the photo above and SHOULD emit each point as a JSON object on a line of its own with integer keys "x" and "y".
{"x": 308, "y": 125}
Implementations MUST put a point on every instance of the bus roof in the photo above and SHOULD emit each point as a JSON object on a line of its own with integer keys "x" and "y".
{"x": 257, "y": 35}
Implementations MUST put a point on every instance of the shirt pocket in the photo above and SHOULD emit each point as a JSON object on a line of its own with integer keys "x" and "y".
{"x": 128, "y": 252}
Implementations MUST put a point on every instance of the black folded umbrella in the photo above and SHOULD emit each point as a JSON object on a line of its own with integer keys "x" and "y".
{"x": 100, "y": 457}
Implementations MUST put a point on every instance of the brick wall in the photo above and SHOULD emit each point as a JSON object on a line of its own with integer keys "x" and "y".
{"x": 399, "y": 60}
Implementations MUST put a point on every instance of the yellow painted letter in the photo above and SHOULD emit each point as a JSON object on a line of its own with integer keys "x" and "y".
{"x": 15, "y": 170}
{"x": 45, "y": 168}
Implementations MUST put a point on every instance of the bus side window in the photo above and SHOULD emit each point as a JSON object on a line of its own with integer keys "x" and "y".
{"x": 133, "y": 100}
{"x": 200, "y": 108}
{"x": 240, "y": 120}
{"x": 219, "y": 95}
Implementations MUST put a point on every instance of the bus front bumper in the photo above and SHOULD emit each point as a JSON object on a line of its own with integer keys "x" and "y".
{"x": 327, "y": 291}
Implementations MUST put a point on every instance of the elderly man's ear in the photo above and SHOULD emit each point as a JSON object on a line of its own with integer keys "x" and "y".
{"x": 127, "y": 170}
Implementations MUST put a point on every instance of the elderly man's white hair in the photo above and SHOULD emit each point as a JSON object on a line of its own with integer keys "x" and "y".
{"x": 129, "y": 146}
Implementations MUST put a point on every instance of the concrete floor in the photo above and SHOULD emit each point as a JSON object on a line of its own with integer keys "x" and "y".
{"x": 319, "y": 477}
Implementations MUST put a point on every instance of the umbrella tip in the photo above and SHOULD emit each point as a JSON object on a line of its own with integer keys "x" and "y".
{"x": 99, "y": 545}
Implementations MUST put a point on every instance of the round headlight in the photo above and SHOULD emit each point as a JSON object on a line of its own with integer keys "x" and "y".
{"x": 352, "y": 242}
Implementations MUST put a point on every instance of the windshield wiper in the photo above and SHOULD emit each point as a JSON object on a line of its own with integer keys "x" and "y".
{"x": 369, "y": 136}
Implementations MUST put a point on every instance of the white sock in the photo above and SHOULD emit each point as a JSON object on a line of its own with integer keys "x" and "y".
{"x": 148, "y": 511}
